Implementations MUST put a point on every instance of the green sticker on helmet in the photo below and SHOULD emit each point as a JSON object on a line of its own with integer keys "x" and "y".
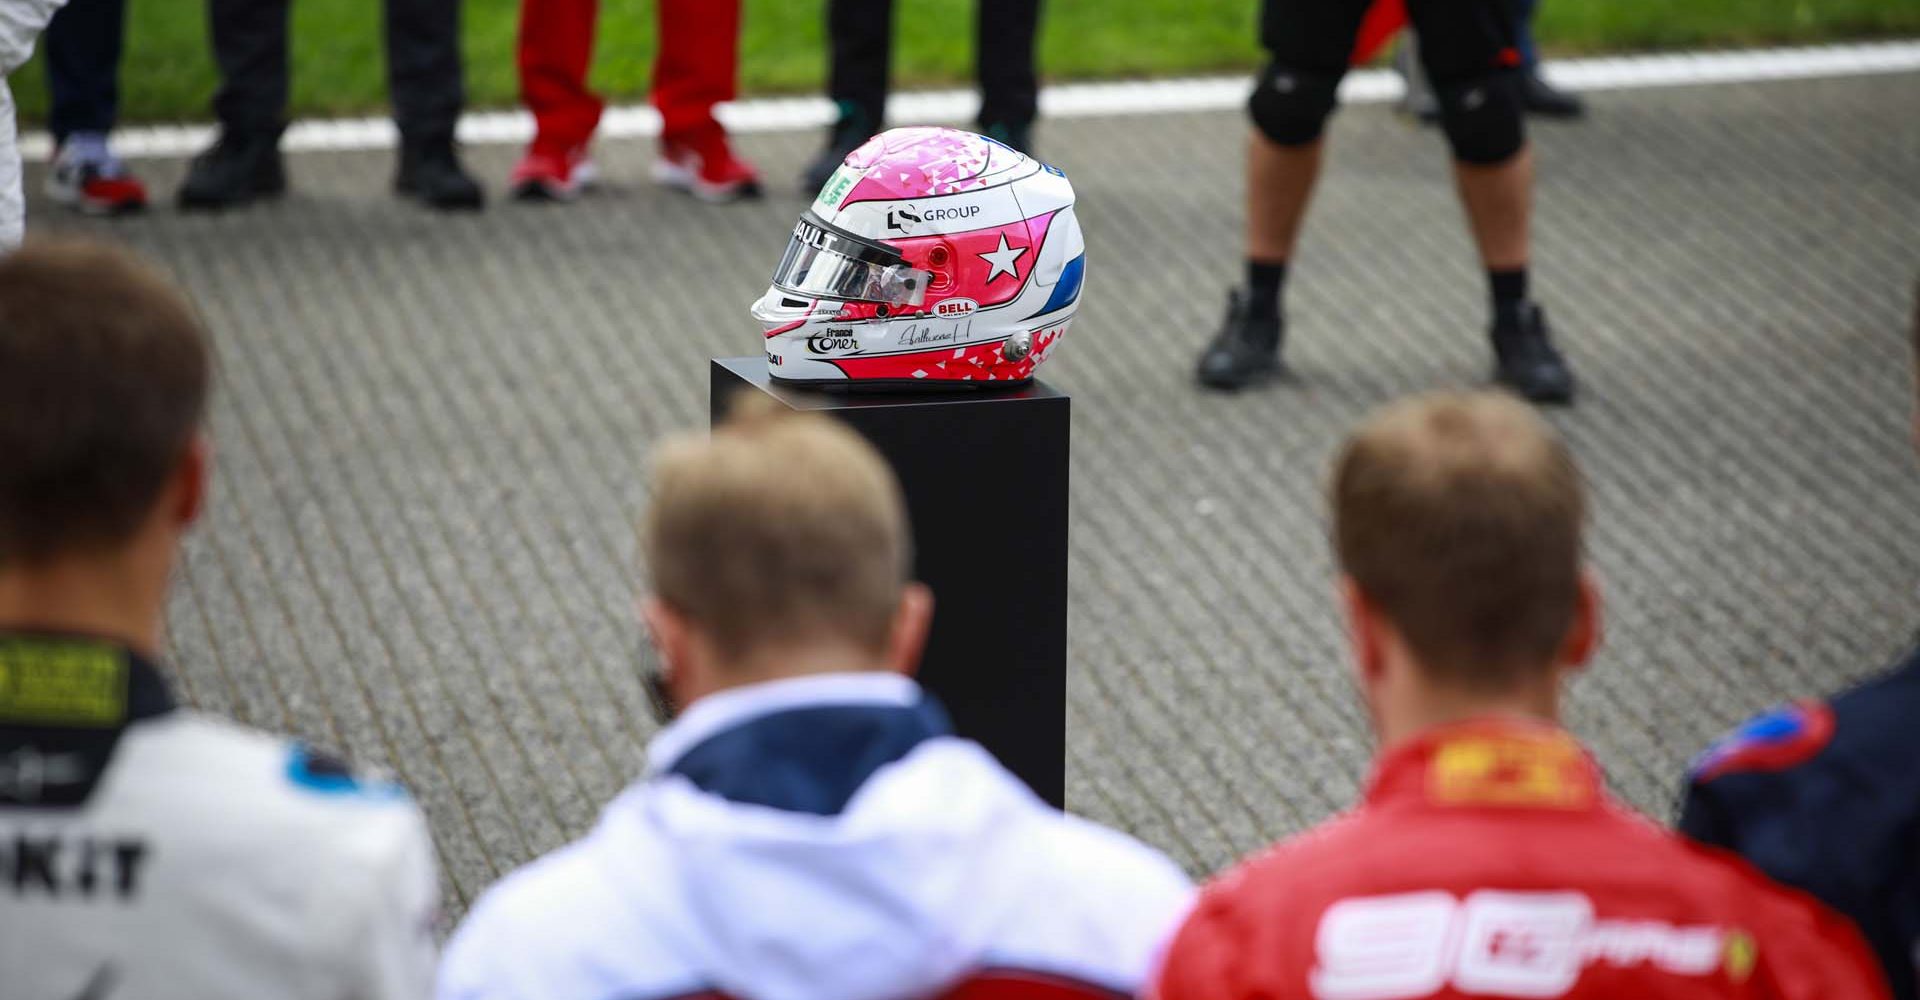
{"x": 838, "y": 185}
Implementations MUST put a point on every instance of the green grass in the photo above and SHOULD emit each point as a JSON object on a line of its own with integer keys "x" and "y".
{"x": 168, "y": 70}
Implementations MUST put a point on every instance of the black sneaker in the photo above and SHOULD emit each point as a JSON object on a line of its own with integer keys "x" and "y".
{"x": 1544, "y": 99}
{"x": 237, "y": 168}
{"x": 851, "y": 131}
{"x": 430, "y": 172}
{"x": 1526, "y": 361}
{"x": 1245, "y": 349}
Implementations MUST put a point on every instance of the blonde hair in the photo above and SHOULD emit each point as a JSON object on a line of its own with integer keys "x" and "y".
{"x": 1460, "y": 515}
{"x": 778, "y": 527}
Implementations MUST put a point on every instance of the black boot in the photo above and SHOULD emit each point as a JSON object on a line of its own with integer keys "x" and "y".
{"x": 852, "y": 130}
{"x": 1525, "y": 359}
{"x": 430, "y": 171}
{"x": 1424, "y": 107}
{"x": 1245, "y": 349}
{"x": 1419, "y": 102}
{"x": 239, "y": 167}
{"x": 1018, "y": 135}
{"x": 1544, "y": 99}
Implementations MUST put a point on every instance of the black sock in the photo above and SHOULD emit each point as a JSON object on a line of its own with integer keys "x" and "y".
{"x": 1509, "y": 292}
{"x": 1264, "y": 284}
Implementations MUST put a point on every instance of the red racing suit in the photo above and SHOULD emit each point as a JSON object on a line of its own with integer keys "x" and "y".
{"x": 1487, "y": 860}
{"x": 694, "y": 68}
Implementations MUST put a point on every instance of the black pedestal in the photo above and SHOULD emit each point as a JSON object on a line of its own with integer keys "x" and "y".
{"x": 985, "y": 476}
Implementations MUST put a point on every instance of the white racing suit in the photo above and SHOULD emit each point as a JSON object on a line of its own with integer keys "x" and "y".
{"x": 21, "y": 22}
{"x": 147, "y": 851}
{"x": 822, "y": 837}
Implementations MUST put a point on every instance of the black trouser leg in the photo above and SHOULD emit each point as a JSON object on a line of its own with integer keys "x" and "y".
{"x": 83, "y": 66}
{"x": 860, "y": 48}
{"x": 1313, "y": 36}
{"x": 1464, "y": 40}
{"x": 423, "y": 67}
{"x": 250, "y": 49}
{"x": 1009, "y": 87}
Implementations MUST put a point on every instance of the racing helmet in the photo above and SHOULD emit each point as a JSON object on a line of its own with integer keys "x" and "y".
{"x": 932, "y": 257}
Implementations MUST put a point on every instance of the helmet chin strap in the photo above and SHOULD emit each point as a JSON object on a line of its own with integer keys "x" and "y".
{"x": 774, "y": 318}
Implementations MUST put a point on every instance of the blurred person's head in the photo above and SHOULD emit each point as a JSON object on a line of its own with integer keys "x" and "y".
{"x": 777, "y": 546}
{"x": 1457, "y": 523}
{"x": 104, "y": 375}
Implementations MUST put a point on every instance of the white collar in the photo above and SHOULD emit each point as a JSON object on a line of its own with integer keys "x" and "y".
{"x": 726, "y": 709}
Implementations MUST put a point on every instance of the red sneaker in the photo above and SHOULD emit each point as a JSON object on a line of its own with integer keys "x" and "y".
{"x": 704, "y": 165}
{"x": 94, "y": 187}
{"x": 542, "y": 175}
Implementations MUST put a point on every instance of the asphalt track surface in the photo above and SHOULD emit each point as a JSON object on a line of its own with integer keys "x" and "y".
{"x": 432, "y": 437}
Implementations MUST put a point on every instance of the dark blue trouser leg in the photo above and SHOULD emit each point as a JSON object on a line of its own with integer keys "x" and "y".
{"x": 83, "y": 66}
{"x": 1523, "y": 31}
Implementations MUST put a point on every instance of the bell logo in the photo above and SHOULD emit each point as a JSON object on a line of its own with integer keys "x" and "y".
{"x": 955, "y": 308}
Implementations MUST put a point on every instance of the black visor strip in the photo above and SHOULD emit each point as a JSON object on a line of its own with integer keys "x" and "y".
{"x": 823, "y": 235}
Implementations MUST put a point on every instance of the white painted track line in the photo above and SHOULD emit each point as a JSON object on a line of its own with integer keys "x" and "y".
{"x": 1067, "y": 100}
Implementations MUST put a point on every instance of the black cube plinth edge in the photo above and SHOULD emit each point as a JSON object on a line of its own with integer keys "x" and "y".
{"x": 985, "y": 477}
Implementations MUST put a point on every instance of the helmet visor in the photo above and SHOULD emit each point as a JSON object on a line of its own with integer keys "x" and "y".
{"x": 825, "y": 262}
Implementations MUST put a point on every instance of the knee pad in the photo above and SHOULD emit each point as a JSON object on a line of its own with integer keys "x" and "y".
{"x": 1291, "y": 106}
{"x": 1482, "y": 118}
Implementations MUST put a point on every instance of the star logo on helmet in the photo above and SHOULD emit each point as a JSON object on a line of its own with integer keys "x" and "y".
{"x": 1002, "y": 260}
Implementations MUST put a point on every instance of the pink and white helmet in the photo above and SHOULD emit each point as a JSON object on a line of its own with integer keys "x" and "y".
{"x": 933, "y": 256}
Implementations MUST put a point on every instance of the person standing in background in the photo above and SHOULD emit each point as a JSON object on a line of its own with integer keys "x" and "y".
{"x": 695, "y": 68}
{"x": 1469, "y": 51}
{"x": 21, "y": 21}
{"x": 83, "y": 79}
{"x": 860, "y": 54}
{"x": 423, "y": 77}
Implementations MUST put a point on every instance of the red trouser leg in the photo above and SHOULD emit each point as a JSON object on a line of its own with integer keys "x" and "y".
{"x": 696, "y": 65}
{"x": 556, "y": 45}
{"x": 1384, "y": 20}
